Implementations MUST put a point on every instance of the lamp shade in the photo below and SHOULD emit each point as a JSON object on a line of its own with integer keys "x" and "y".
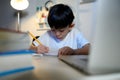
{"x": 19, "y": 4}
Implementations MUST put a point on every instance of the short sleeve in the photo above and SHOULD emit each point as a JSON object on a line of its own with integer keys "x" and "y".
{"x": 81, "y": 40}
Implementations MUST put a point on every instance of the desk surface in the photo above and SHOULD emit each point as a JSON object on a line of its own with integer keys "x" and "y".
{"x": 51, "y": 68}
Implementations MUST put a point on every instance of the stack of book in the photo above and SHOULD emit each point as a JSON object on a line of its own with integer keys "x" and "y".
{"x": 11, "y": 40}
{"x": 15, "y": 55}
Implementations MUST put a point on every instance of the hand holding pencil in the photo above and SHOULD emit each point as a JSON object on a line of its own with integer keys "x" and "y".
{"x": 35, "y": 38}
{"x": 40, "y": 48}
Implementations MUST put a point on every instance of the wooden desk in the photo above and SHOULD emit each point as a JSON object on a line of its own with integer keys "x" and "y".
{"x": 51, "y": 68}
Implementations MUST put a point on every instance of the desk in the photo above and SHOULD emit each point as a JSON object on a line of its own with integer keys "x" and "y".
{"x": 51, "y": 68}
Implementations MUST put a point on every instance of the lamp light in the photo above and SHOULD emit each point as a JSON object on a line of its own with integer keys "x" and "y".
{"x": 19, "y": 5}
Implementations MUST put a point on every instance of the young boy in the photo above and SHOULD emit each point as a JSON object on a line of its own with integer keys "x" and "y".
{"x": 63, "y": 35}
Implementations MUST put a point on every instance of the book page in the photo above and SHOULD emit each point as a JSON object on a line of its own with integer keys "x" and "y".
{"x": 50, "y": 53}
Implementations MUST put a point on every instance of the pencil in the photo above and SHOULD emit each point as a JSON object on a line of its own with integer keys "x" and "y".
{"x": 35, "y": 38}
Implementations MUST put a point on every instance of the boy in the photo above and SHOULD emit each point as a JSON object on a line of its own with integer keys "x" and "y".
{"x": 62, "y": 36}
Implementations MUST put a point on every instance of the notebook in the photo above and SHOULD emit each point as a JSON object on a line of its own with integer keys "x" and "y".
{"x": 104, "y": 53}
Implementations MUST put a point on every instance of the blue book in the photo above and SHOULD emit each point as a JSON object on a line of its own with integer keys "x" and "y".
{"x": 12, "y": 62}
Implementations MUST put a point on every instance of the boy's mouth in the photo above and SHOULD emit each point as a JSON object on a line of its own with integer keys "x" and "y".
{"x": 59, "y": 37}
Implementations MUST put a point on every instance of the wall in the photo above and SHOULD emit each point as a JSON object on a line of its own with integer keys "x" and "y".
{"x": 84, "y": 16}
{"x": 31, "y": 22}
{"x": 87, "y": 15}
{"x": 7, "y": 15}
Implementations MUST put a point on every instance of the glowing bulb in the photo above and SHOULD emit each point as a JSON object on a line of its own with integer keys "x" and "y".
{"x": 19, "y": 4}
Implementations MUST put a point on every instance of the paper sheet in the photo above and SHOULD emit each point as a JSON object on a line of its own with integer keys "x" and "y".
{"x": 50, "y": 53}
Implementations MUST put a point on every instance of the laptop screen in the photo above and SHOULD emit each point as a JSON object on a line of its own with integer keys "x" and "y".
{"x": 104, "y": 53}
{"x": 105, "y": 50}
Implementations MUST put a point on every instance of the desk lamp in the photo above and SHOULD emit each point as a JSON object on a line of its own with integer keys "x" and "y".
{"x": 19, "y": 5}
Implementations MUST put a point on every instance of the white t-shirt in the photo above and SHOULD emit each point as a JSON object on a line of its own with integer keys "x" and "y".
{"x": 74, "y": 40}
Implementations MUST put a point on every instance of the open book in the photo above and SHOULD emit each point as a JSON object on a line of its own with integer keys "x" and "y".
{"x": 14, "y": 40}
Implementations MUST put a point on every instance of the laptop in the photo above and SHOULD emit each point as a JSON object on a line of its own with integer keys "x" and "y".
{"x": 104, "y": 53}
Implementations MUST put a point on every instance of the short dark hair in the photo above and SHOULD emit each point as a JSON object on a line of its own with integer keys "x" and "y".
{"x": 60, "y": 16}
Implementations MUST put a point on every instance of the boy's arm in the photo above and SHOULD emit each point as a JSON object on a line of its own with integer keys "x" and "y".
{"x": 69, "y": 51}
{"x": 82, "y": 51}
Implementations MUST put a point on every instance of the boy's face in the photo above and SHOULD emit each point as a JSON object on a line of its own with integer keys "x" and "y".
{"x": 61, "y": 33}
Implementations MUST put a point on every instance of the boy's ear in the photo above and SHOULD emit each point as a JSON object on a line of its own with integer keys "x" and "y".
{"x": 71, "y": 25}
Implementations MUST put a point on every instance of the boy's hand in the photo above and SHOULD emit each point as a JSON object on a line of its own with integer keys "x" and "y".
{"x": 66, "y": 51}
{"x": 42, "y": 49}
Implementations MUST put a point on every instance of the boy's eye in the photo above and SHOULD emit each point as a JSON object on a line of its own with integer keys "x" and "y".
{"x": 52, "y": 30}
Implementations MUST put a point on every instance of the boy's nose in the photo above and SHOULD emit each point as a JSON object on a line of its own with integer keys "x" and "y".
{"x": 57, "y": 33}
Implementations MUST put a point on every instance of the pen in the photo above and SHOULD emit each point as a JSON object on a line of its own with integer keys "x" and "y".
{"x": 35, "y": 38}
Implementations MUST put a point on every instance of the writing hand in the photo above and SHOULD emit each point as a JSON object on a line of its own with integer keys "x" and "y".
{"x": 66, "y": 51}
{"x": 42, "y": 49}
